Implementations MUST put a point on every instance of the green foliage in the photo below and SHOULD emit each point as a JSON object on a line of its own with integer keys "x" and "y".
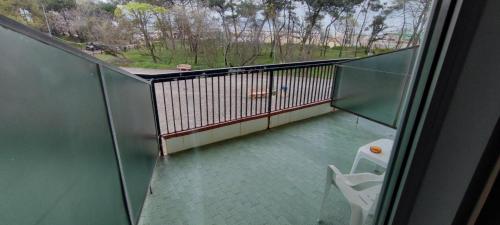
{"x": 159, "y": 10}
{"x": 247, "y": 9}
{"x": 140, "y": 11}
{"x": 25, "y": 11}
{"x": 217, "y": 3}
{"x": 272, "y": 7}
{"x": 238, "y": 35}
{"x": 107, "y": 6}
{"x": 138, "y": 7}
{"x": 59, "y": 5}
{"x": 329, "y": 4}
{"x": 170, "y": 59}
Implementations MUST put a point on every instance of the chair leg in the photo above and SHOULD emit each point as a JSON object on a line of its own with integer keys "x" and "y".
{"x": 357, "y": 217}
{"x": 355, "y": 163}
{"x": 328, "y": 185}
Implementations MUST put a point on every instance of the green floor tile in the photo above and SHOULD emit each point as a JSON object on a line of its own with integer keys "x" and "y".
{"x": 271, "y": 177}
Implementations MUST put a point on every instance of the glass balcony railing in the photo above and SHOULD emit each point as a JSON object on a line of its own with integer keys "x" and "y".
{"x": 374, "y": 87}
{"x": 78, "y": 138}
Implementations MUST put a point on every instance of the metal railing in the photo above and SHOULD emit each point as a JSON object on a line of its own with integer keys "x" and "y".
{"x": 199, "y": 100}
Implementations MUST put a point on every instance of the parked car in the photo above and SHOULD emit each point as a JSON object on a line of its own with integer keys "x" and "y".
{"x": 94, "y": 46}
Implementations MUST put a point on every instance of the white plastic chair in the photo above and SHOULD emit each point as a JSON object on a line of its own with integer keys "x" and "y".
{"x": 362, "y": 200}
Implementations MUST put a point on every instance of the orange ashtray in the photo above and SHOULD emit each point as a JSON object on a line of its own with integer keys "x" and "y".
{"x": 376, "y": 149}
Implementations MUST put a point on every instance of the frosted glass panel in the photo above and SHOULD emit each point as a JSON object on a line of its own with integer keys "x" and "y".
{"x": 57, "y": 161}
{"x": 133, "y": 119}
{"x": 372, "y": 94}
{"x": 399, "y": 61}
{"x": 373, "y": 87}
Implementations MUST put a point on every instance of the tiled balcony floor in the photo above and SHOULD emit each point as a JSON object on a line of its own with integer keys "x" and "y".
{"x": 271, "y": 177}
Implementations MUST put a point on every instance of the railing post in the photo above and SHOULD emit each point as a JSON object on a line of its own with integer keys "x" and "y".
{"x": 157, "y": 117}
{"x": 270, "y": 99}
{"x": 334, "y": 76}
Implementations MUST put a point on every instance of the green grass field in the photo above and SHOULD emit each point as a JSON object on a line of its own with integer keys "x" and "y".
{"x": 170, "y": 59}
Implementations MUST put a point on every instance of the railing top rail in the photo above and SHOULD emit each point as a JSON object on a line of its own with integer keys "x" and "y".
{"x": 253, "y": 68}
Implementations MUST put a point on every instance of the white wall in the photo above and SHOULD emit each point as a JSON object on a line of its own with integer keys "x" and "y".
{"x": 176, "y": 144}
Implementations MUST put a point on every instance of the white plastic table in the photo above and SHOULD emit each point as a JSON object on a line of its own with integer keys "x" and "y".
{"x": 381, "y": 159}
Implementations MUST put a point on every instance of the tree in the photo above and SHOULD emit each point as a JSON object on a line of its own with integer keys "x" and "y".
{"x": 370, "y": 5}
{"x": 222, "y": 7}
{"x": 316, "y": 7}
{"x": 202, "y": 31}
{"x": 272, "y": 9}
{"x": 164, "y": 24}
{"x": 192, "y": 24}
{"x": 59, "y": 5}
{"x": 378, "y": 26}
{"x": 291, "y": 20}
{"x": 348, "y": 22}
{"x": 237, "y": 19}
{"x": 400, "y": 5}
{"x": 419, "y": 10}
{"x": 27, "y": 12}
{"x": 247, "y": 38}
{"x": 108, "y": 7}
{"x": 336, "y": 11}
{"x": 63, "y": 8}
{"x": 140, "y": 14}
{"x": 313, "y": 16}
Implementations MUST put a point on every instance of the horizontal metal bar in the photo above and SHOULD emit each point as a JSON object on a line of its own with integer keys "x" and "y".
{"x": 362, "y": 116}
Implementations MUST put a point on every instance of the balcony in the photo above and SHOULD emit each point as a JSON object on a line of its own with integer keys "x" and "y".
{"x": 83, "y": 142}
{"x": 270, "y": 177}
{"x": 283, "y": 133}
{"x": 246, "y": 145}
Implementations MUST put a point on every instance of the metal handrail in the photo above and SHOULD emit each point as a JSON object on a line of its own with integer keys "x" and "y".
{"x": 198, "y": 100}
